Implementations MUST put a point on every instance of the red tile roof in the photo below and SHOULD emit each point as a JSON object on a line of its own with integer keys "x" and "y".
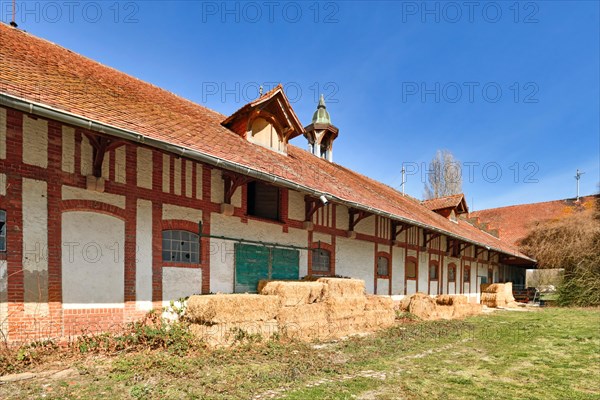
{"x": 515, "y": 222}
{"x": 440, "y": 203}
{"x": 36, "y": 70}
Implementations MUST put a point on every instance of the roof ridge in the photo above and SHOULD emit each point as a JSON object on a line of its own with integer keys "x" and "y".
{"x": 536, "y": 203}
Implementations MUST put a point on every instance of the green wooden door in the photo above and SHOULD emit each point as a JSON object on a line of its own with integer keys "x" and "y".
{"x": 253, "y": 263}
{"x": 286, "y": 264}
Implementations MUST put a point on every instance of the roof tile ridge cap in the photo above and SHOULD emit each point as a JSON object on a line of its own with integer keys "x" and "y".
{"x": 89, "y": 59}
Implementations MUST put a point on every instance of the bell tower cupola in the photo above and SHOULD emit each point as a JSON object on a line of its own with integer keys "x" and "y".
{"x": 321, "y": 133}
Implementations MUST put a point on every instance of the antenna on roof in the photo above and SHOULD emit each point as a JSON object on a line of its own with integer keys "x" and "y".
{"x": 403, "y": 179}
{"x": 13, "y": 23}
{"x": 260, "y": 91}
{"x": 578, "y": 177}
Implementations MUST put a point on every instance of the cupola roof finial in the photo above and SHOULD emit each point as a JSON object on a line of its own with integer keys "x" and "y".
{"x": 321, "y": 116}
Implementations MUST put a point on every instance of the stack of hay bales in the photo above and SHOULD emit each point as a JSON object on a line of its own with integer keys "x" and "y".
{"x": 217, "y": 319}
{"x": 497, "y": 295}
{"x": 303, "y": 313}
{"x": 379, "y": 312}
{"x": 327, "y": 308}
{"x": 345, "y": 302}
{"x": 441, "y": 307}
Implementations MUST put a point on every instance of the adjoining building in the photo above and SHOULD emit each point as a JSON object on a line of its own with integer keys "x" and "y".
{"x": 117, "y": 197}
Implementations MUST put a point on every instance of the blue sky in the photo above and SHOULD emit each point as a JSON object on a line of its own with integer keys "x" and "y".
{"x": 512, "y": 89}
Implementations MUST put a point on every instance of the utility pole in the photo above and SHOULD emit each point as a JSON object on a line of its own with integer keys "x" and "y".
{"x": 578, "y": 177}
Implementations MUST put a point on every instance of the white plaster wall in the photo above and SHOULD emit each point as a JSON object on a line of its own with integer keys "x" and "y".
{"x": 222, "y": 256}
{"x": 366, "y": 226}
{"x": 2, "y": 185}
{"x": 106, "y": 166}
{"x": 171, "y": 211}
{"x": 295, "y": 205}
{"x": 188, "y": 178}
{"x": 423, "y": 272}
{"x": 177, "y": 176}
{"x": 452, "y": 288}
{"x": 341, "y": 217}
{"x": 92, "y": 260}
{"x": 198, "y": 181}
{"x": 323, "y": 237}
{"x": 411, "y": 286}
{"x": 120, "y": 164}
{"x": 73, "y": 193}
{"x": 383, "y": 286}
{"x": 86, "y": 156}
{"x": 145, "y": 168}
{"x": 3, "y": 297}
{"x": 236, "y": 199}
{"x": 398, "y": 271}
{"x": 166, "y": 173}
{"x": 180, "y": 282}
{"x": 2, "y": 133}
{"x": 143, "y": 255}
{"x": 68, "y": 149}
{"x": 35, "y": 246}
{"x": 35, "y": 141}
{"x": 354, "y": 258}
{"x": 433, "y": 288}
{"x": 216, "y": 186}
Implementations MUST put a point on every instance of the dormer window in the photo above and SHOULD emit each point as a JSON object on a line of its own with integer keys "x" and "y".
{"x": 265, "y": 134}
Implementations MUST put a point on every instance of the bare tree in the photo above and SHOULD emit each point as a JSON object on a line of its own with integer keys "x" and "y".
{"x": 444, "y": 177}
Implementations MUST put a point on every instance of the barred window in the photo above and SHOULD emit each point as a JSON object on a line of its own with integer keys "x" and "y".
{"x": 180, "y": 246}
{"x": 321, "y": 260}
{"x": 383, "y": 267}
{"x": 2, "y": 230}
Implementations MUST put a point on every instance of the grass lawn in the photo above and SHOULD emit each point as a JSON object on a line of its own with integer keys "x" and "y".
{"x": 548, "y": 354}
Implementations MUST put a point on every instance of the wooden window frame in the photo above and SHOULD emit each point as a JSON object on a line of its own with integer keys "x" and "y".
{"x": 416, "y": 262}
{"x": 467, "y": 272}
{"x": 437, "y": 270}
{"x": 452, "y": 267}
{"x": 192, "y": 236}
{"x": 388, "y": 258}
{"x": 327, "y": 247}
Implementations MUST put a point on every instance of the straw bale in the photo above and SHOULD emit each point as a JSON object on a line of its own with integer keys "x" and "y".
{"x": 494, "y": 288}
{"x": 232, "y": 308}
{"x": 493, "y": 300}
{"x": 225, "y": 334}
{"x": 379, "y": 319}
{"x": 294, "y": 293}
{"x": 403, "y": 304}
{"x": 347, "y": 326}
{"x": 374, "y": 302}
{"x": 465, "y": 310}
{"x": 444, "y": 311}
{"x": 508, "y": 292}
{"x": 422, "y": 305}
{"x": 448, "y": 300}
{"x": 342, "y": 287}
{"x": 344, "y": 307}
{"x": 305, "y": 321}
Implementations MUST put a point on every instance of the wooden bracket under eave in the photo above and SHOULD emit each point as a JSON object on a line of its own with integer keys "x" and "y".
{"x": 311, "y": 206}
{"x": 101, "y": 145}
{"x": 355, "y": 216}
{"x": 232, "y": 183}
{"x": 397, "y": 229}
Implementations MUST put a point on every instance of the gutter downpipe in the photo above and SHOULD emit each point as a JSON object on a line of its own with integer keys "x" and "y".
{"x": 49, "y": 112}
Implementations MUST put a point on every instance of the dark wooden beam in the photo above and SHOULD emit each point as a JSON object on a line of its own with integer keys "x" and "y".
{"x": 100, "y": 145}
{"x": 397, "y": 229}
{"x": 356, "y": 216}
{"x": 311, "y": 206}
{"x": 428, "y": 237}
{"x": 463, "y": 246}
{"x": 232, "y": 183}
{"x": 478, "y": 251}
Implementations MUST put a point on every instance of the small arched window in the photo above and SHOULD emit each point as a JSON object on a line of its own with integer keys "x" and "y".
{"x": 411, "y": 268}
{"x": 451, "y": 273}
{"x": 383, "y": 266}
{"x": 321, "y": 261}
{"x": 180, "y": 247}
{"x": 467, "y": 274}
{"x": 433, "y": 271}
